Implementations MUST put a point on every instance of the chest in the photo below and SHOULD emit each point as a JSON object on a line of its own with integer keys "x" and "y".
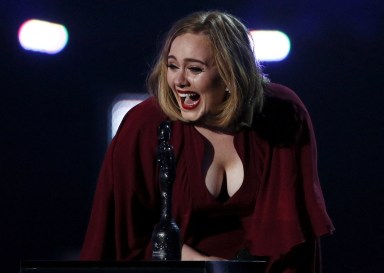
{"x": 208, "y": 166}
{"x": 222, "y": 168}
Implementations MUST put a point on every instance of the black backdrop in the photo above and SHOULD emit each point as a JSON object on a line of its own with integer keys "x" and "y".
{"x": 54, "y": 112}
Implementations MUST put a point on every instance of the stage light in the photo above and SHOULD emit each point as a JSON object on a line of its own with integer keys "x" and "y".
{"x": 270, "y": 45}
{"x": 120, "y": 107}
{"x": 42, "y": 36}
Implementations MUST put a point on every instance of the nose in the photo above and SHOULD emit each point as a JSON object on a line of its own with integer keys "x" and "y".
{"x": 181, "y": 80}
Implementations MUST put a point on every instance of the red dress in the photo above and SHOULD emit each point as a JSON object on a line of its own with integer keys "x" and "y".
{"x": 278, "y": 211}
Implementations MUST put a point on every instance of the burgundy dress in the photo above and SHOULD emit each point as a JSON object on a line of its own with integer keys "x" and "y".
{"x": 278, "y": 211}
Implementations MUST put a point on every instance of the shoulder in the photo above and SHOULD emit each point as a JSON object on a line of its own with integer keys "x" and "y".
{"x": 281, "y": 94}
{"x": 146, "y": 110}
{"x": 283, "y": 116}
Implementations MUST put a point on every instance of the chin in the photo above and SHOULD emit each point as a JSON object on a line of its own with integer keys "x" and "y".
{"x": 189, "y": 118}
{"x": 192, "y": 115}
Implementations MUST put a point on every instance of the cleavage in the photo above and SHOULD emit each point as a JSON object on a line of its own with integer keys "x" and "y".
{"x": 222, "y": 169}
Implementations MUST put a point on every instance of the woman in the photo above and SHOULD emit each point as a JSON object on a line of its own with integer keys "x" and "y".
{"x": 246, "y": 174}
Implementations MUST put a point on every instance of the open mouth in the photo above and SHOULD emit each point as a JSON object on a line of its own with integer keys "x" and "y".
{"x": 189, "y": 100}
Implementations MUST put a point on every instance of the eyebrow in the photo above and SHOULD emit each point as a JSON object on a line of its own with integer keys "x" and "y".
{"x": 188, "y": 60}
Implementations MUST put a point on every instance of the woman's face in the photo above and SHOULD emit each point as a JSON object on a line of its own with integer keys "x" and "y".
{"x": 193, "y": 76}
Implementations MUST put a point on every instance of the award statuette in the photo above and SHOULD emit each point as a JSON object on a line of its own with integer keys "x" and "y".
{"x": 166, "y": 244}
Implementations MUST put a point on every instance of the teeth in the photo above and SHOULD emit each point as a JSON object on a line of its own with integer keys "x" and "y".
{"x": 184, "y": 95}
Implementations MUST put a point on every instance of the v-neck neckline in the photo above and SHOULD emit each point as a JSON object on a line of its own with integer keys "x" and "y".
{"x": 201, "y": 152}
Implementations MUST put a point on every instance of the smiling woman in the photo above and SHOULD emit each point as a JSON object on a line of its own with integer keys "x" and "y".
{"x": 194, "y": 78}
{"x": 246, "y": 183}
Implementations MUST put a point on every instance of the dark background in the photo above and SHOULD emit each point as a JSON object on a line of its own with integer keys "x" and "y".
{"x": 54, "y": 113}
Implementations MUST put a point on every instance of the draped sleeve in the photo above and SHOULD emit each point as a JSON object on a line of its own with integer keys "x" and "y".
{"x": 125, "y": 206}
{"x": 290, "y": 211}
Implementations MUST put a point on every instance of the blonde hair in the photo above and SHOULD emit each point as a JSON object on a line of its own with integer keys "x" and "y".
{"x": 233, "y": 54}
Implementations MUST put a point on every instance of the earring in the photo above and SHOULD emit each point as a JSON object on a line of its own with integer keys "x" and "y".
{"x": 227, "y": 90}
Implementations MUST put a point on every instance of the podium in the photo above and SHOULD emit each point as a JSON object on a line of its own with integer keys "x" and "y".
{"x": 142, "y": 267}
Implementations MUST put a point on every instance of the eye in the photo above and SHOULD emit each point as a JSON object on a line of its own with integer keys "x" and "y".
{"x": 172, "y": 66}
{"x": 195, "y": 69}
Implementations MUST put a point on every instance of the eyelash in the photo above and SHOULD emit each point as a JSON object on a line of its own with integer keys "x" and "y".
{"x": 193, "y": 69}
{"x": 196, "y": 69}
{"x": 171, "y": 66}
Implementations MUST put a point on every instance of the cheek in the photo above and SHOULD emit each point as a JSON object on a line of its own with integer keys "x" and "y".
{"x": 218, "y": 83}
{"x": 209, "y": 83}
{"x": 216, "y": 89}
